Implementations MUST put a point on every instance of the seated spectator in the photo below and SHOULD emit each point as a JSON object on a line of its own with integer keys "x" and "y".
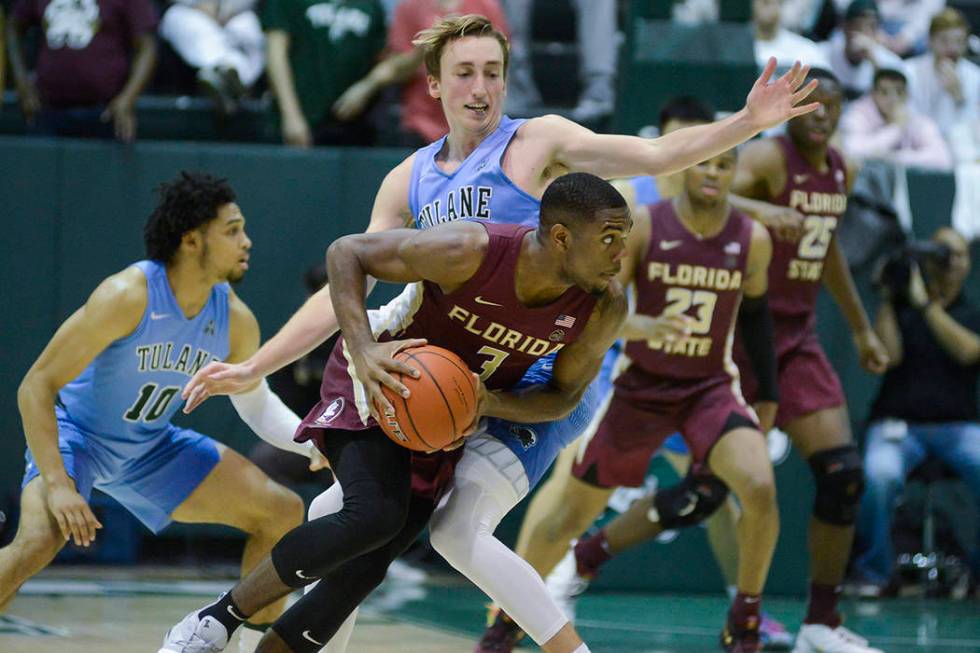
{"x": 965, "y": 141}
{"x": 905, "y": 24}
{"x": 881, "y": 125}
{"x": 95, "y": 58}
{"x": 422, "y": 117}
{"x": 927, "y": 404}
{"x": 316, "y": 50}
{"x": 774, "y": 40}
{"x": 223, "y": 41}
{"x": 943, "y": 84}
{"x": 855, "y": 53}
{"x": 598, "y": 51}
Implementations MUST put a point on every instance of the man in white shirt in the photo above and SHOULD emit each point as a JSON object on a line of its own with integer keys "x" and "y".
{"x": 773, "y": 40}
{"x": 942, "y": 83}
{"x": 855, "y": 53}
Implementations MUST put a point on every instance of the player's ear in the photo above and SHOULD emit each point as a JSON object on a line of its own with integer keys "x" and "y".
{"x": 192, "y": 239}
{"x": 434, "y": 86}
{"x": 561, "y": 237}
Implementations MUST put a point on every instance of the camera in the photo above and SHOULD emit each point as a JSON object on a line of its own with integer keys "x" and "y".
{"x": 896, "y": 268}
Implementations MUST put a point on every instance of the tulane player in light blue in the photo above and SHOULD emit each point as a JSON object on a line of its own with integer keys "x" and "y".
{"x": 97, "y": 404}
{"x": 494, "y": 168}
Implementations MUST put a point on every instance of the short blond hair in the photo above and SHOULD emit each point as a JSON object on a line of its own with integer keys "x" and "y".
{"x": 434, "y": 40}
{"x": 946, "y": 19}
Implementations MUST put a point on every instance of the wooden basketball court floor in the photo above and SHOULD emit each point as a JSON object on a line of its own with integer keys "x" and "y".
{"x": 91, "y": 611}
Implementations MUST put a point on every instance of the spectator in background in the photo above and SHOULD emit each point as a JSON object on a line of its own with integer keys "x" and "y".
{"x": 598, "y": 47}
{"x": 942, "y": 83}
{"x": 422, "y": 118}
{"x": 774, "y": 40}
{"x": 905, "y": 24}
{"x": 881, "y": 125}
{"x": 316, "y": 50}
{"x": 223, "y": 41}
{"x": 927, "y": 404}
{"x": 855, "y": 53}
{"x": 94, "y": 60}
{"x": 965, "y": 141}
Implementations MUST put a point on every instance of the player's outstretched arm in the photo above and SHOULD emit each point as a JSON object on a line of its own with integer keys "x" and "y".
{"x": 312, "y": 324}
{"x": 768, "y": 104}
{"x": 575, "y": 367}
{"x": 448, "y": 255}
{"x": 113, "y": 311}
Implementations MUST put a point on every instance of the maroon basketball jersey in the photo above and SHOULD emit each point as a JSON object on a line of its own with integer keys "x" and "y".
{"x": 684, "y": 274}
{"x": 796, "y": 270}
{"x": 483, "y": 322}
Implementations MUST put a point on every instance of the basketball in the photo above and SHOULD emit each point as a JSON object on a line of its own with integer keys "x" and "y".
{"x": 442, "y": 403}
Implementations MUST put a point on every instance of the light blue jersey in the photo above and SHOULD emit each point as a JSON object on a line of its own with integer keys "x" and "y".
{"x": 477, "y": 189}
{"x": 480, "y": 189}
{"x": 114, "y": 429}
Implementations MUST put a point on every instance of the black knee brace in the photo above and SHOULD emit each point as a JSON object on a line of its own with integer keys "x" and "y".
{"x": 839, "y": 474}
{"x": 689, "y": 502}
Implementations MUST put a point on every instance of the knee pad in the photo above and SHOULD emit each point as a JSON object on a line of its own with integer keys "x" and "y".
{"x": 689, "y": 502}
{"x": 839, "y": 474}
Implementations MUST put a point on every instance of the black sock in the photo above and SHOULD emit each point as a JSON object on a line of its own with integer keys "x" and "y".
{"x": 226, "y": 612}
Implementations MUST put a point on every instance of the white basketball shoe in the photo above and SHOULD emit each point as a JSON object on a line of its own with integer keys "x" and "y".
{"x": 818, "y": 638}
{"x": 565, "y": 584}
{"x": 195, "y": 635}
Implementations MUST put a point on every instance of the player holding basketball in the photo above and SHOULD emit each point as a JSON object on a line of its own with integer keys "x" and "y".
{"x": 494, "y": 168}
{"x": 803, "y": 171}
{"x": 487, "y": 291}
{"x": 97, "y": 403}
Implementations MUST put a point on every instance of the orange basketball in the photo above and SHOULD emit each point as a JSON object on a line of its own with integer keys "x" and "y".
{"x": 442, "y": 403}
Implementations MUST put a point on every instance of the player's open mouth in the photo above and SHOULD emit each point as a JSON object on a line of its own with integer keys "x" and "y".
{"x": 710, "y": 191}
{"x": 478, "y": 108}
{"x": 243, "y": 263}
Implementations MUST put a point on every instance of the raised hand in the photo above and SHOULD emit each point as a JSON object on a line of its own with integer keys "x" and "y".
{"x": 770, "y": 104}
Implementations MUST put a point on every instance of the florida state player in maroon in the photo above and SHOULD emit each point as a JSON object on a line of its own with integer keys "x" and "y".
{"x": 479, "y": 284}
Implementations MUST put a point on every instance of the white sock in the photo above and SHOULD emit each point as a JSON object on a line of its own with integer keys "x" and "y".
{"x": 584, "y": 648}
{"x": 248, "y": 640}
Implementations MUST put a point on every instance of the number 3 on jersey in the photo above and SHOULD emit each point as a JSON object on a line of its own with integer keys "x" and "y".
{"x": 157, "y": 408}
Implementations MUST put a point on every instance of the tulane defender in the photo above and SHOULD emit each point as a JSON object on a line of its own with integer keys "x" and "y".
{"x": 97, "y": 404}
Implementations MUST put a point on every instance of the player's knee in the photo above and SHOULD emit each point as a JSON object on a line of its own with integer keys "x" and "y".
{"x": 758, "y": 493}
{"x": 284, "y": 511}
{"x": 689, "y": 502}
{"x": 35, "y": 548}
{"x": 839, "y": 475}
{"x": 453, "y": 544}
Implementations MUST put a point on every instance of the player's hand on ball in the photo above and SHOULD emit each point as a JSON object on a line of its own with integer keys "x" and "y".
{"x": 73, "y": 514}
{"x": 375, "y": 366}
{"x": 217, "y": 378}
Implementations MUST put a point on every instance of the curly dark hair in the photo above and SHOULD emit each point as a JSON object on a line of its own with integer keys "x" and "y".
{"x": 576, "y": 198}
{"x": 188, "y": 202}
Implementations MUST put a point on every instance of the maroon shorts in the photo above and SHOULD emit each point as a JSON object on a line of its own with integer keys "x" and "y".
{"x": 807, "y": 381}
{"x": 628, "y": 430}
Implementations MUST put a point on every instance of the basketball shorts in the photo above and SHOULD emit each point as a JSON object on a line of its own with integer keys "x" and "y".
{"x": 807, "y": 380}
{"x": 537, "y": 445}
{"x": 628, "y": 430}
{"x": 150, "y": 485}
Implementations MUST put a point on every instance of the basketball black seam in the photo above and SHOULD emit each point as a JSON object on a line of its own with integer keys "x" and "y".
{"x": 465, "y": 370}
{"x": 435, "y": 382}
{"x": 408, "y": 414}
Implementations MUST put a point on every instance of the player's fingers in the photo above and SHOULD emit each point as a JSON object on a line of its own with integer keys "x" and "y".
{"x": 199, "y": 394}
{"x": 802, "y": 94}
{"x": 380, "y": 401}
{"x": 391, "y": 382}
{"x": 62, "y": 524}
{"x": 767, "y": 72}
{"x": 394, "y": 365}
{"x": 796, "y": 112}
{"x": 73, "y": 527}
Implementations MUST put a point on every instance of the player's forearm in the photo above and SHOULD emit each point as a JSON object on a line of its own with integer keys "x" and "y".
{"x": 840, "y": 284}
{"x": 18, "y": 66}
{"x": 349, "y": 288}
{"x": 144, "y": 62}
{"x": 541, "y": 403}
{"x": 281, "y": 74}
{"x": 686, "y": 147}
{"x": 270, "y": 418}
{"x": 36, "y": 404}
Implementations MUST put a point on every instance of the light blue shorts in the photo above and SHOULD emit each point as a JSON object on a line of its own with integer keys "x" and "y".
{"x": 150, "y": 484}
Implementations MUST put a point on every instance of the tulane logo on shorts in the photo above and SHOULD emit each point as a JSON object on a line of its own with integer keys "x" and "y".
{"x": 525, "y": 435}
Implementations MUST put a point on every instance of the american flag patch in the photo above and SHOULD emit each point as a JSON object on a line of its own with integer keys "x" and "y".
{"x": 566, "y": 321}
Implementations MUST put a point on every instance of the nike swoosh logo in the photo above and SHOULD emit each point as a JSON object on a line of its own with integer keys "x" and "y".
{"x": 480, "y": 300}
{"x": 300, "y": 574}
{"x": 232, "y": 612}
{"x": 307, "y": 637}
{"x": 158, "y": 316}
{"x": 669, "y": 244}
{"x": 800, "y": 179}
